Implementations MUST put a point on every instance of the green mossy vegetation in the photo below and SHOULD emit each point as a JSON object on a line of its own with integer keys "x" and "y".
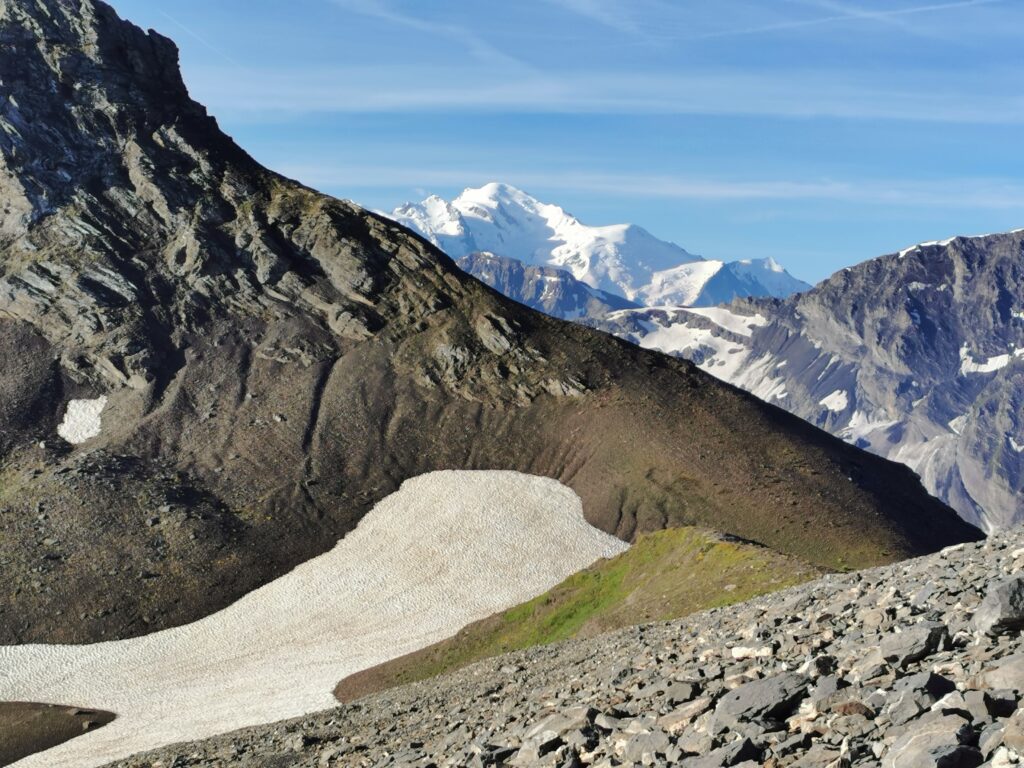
{"x": 664, "y": 575}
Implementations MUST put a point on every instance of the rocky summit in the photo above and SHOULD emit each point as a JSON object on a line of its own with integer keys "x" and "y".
{"x": 913, "y": 665}
{"x": 212, "y": 373}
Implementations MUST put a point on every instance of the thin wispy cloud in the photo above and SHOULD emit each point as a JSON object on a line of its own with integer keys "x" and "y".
{"x": 845, "y": 14}
{"x": 950, "y": 193}
{"x": 613, "y": 14}
{"x": 989, "y": 99}
{"x": 201, "y": 40}
{"x": 899, "y": 22}
{"x": 470, "y": 40}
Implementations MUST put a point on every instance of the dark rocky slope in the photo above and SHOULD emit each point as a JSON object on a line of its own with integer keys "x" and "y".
{"x": 27, "y": 728}
{"x": 918, "y": 664}
{"x": 547, "y": 289}
{"x": 275, "y": 361}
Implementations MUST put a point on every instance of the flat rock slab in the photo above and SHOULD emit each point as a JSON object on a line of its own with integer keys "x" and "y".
{"x": 447, "y": 549}
{"x": 772, "y": 698}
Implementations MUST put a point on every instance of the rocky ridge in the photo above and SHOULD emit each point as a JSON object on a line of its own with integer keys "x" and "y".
{"x": 920, "y": 663}
{"x": 917, "y": 356}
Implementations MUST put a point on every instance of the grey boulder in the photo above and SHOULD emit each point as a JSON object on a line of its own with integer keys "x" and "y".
{"x": 772, "y": 698}
{"x": 1002, "y": 610}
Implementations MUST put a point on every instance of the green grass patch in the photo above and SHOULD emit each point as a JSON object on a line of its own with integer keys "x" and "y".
{"x": 664, "y": 575}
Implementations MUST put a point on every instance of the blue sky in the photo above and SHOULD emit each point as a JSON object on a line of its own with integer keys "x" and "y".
{"x": 818, "y": 132}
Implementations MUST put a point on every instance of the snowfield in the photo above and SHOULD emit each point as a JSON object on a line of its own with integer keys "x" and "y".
{"x": 82, "y": 420}
{"x": 969, "y": 365}
{"x": 446, "y": 549}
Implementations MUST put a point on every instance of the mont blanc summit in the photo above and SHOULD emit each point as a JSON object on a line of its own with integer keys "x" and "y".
{"x": 622, "y": 259}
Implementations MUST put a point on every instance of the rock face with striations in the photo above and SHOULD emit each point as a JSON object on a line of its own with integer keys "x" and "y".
{"x": 212, "y": 372}
{"x": 917, "y": 356}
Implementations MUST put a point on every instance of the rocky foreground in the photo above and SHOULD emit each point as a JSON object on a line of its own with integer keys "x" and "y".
{"x": 915, "y": 664}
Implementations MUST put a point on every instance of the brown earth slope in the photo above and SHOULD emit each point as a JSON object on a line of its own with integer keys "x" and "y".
{"x": 27, "y": 728}
{"x": 276, "y": 361}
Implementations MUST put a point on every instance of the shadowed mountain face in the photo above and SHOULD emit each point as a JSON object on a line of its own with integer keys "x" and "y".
{"x": 274, "y": 361}
{"x": 547, "y": 289}
{"x": 917, "y": 356}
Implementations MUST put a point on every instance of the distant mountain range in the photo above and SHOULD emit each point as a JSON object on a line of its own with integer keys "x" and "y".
{"x": 917, "y": 356}
{"x": 620, "y": 259}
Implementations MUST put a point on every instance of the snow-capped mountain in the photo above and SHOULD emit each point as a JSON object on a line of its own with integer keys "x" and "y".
{"x": 917, "y": 356}
{"x": 709, "y": 282}
{"x": 621, "y": 259}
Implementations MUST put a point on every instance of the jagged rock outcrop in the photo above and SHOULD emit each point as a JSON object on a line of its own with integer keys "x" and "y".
{"x": 917, "y": 356}
{"x": 881, "y": 667}
{"x": 245, "y": 366}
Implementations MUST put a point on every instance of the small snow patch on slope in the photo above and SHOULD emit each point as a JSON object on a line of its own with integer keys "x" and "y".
{"x": 741, "y": 325}
{"x": 948, "y": 240}
{"x": 447, "y": 549}
{"x": 913, "y": 248}
{"x": 82, "y": 420}
{"x": 836, "y": 401}
{"x": 969, "y": 365}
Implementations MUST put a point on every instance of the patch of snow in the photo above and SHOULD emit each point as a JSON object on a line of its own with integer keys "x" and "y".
{"x": 836, "y": 401}
{"x": 949, "y": 240}
{"x": 741, "y": 325}
{"x": 957, "y": 425}
{"x": 82, "y": 420}
{"x": 862, "y": 427}
{"x": 969, "y": 365}
{"x": 913, "y": 248}
{"x": 447, "y": 549}
{"x": 756, "y": 377}
{"x": 1015, "y": 445}
{"x": 831, "y": 361}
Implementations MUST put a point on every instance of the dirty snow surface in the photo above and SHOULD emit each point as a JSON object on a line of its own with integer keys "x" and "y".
{"x": 447, "y": 549}
{"x": 82, "y": 420}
